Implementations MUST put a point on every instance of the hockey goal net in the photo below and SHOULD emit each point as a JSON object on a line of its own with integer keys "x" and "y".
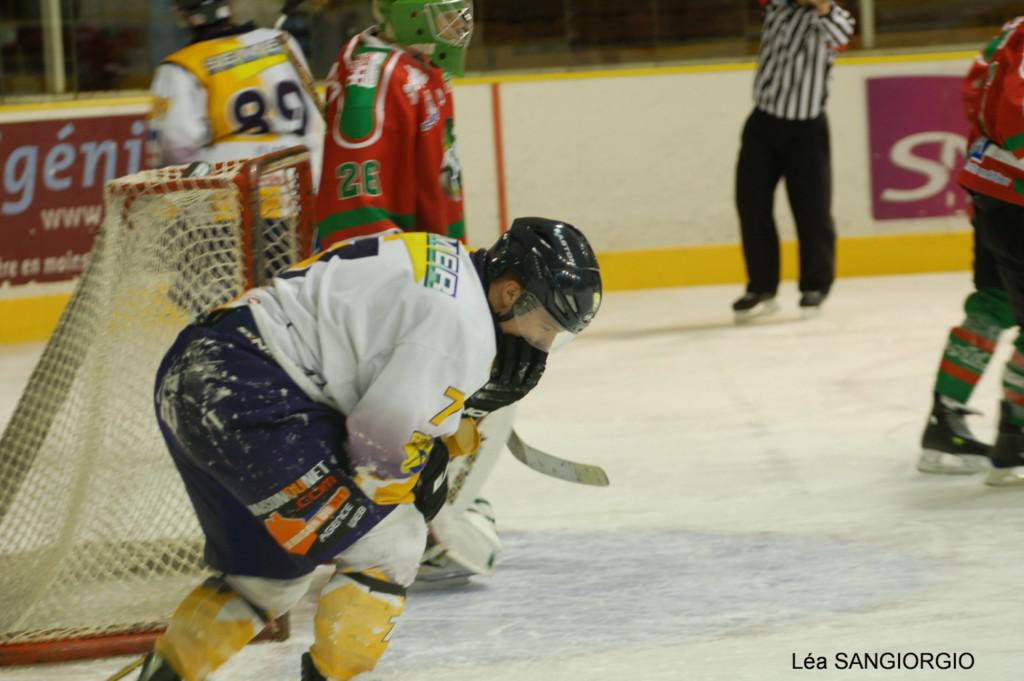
{"x": 98, "y": 541}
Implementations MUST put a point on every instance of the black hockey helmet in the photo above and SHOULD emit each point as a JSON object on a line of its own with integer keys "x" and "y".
{"x": 558, "y": 271}
{"x": 199, "y": 13}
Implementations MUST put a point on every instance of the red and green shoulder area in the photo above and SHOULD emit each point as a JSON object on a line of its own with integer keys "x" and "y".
{"x": 374, "y": 67}
{"x": 1012, "y": 31}
{"x": 377, "y": 82}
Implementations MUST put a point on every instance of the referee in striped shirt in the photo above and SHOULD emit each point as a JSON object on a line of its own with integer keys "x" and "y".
{"x": 787, "y": 136}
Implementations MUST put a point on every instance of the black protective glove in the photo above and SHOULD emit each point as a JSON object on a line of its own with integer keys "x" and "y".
{"x": 431, "y": 489}
{"x": 517, "y": 369}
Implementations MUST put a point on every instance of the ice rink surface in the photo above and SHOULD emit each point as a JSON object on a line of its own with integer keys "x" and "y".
{"x": 763, "y": 506}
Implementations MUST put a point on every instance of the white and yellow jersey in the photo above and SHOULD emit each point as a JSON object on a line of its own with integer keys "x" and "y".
{"x": 393, "y": 330}
{"x": 230, "y": 97}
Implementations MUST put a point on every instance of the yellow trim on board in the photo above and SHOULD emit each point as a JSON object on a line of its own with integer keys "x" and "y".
{"x": 33, "y": 319}
{"x": 906, "y": 58}
{"x": 723, "y": 263}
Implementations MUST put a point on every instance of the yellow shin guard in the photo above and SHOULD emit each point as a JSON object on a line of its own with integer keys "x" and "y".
{"x": 211, "y": 625}
{"x": 354, "y": 621}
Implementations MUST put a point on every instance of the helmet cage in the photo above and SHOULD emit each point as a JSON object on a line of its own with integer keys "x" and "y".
{"x": 450, "y": 22}
{"x": 445, "y": 24}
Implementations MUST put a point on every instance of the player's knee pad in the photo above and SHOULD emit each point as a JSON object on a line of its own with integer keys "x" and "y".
{"x": 274, "y": 596}
{"x": 989, "y": 312}
{"x": 355, "y": 618}
{"x": 211, "y": 624}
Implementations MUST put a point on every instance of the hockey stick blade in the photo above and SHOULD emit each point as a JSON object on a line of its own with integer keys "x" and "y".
{"x": 548, "y": 464}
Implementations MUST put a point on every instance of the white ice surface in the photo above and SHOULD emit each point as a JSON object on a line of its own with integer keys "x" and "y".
{"x": 763, "y": 504}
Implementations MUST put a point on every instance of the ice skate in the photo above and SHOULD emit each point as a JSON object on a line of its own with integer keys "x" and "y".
{"x": 947, "y": 445}
{"x": 156, "y": 668}
{"x": 1007, "y": 453}
{"x": 437, "y": 570}
{"x": 752, "y": 306}
{"x": 459, "y": 546}
{"x": 441, "y": 572}
{"x": 810, "y": 303}
{"x": 309, "y": 670}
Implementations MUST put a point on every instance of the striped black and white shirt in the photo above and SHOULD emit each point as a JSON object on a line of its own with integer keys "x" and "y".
{"x": 798, "y": 47}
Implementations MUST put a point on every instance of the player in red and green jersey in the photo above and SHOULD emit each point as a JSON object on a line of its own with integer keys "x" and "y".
{"x": 948, "y": 445}
{"x": 994, "y": 175}
{"x": 390, "y": 154}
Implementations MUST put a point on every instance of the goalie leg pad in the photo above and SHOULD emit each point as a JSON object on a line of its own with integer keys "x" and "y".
{"x": 355, "y": 618}
{"x": 470, "y": 538}
{"x": 212, "y": 624}
{"x": 463, "y": 532}
{"x": 467, "y": 474}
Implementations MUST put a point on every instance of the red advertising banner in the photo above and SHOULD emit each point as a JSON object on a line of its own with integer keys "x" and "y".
{"x": 52, "y": 174}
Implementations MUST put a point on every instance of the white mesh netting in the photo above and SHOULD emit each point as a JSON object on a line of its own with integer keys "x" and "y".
{"x": 96, "y": 532}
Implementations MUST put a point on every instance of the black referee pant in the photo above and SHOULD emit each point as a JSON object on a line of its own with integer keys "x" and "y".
{"x": 773, "y": 148}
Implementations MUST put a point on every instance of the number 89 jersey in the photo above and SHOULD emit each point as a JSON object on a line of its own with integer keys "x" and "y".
{"x": 229, "y": 97}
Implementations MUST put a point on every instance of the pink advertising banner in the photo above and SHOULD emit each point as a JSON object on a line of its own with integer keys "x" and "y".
{"x": 917, "y": 136}
{"x": 52, "y": 174}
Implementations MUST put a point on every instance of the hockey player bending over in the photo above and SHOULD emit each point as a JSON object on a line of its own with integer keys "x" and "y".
{"x": 312, "y": 421}
{"x": 232, "y": 93}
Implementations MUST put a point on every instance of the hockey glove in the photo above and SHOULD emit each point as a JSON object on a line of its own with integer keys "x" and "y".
{"x": 517, "y": 369}
{"x": 431, "y": 489}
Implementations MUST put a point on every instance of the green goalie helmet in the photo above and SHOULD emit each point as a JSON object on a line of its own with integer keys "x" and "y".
{"x": 445, "y": 24}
